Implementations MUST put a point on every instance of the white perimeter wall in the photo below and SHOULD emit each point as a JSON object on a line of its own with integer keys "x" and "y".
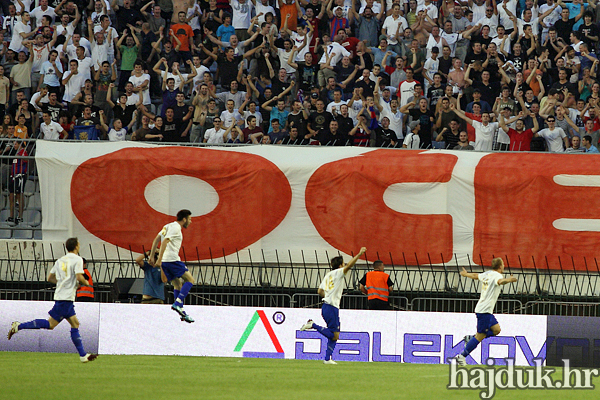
{"x": 416, "y": 337}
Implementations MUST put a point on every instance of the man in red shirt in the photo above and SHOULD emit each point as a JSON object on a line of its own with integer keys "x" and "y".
{"x": 185, "y": 34}
{"x": 348, "y": 42}
{"x": 520, "y": 138}
{"x": 251, "y": 129}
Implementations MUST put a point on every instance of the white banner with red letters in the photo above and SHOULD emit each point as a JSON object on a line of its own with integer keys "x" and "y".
{"x": 405, "y": 206}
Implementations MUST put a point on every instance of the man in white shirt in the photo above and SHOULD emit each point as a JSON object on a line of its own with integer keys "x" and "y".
{"x": 555, "y": 137}
{"x": 71, "y": 50}
{"x": 170, "y": 238}
{"x": 230, "y": 115}
{"x": 330, "y": 290}
{"x": 111, "y": 36}
{"x": 67, "y": 274}
{"x": 73, "y": 81}
{"x": 21, "y": 30}
{"x": 485, "y": 131}
{"x": 550, "y": 18}
{"x": 430, "y": 8}
{"x": 242, "y": 14}
{"x": 394, "y": 24}
{"x": 51, "y": 130}
{"x": 85, "y": 63}
{"x": 215, "y": 135}
{"x": 487, "y": 325}
{"x": 42, "y": 10}
{"x": 262, "y": 8}
{"x": 337, "y": 101}
{"x": 141, "y": 82}
{"x": 490, "y": 19}
{"x": 26, "y": 3}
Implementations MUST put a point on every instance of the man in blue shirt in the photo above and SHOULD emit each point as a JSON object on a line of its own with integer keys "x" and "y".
{"x": 379, "y": 52}
{"x": 586, "y": 142}
{"x": 154, "y": 288}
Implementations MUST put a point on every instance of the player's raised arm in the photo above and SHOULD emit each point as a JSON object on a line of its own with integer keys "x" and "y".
{"x": 472, "y": 275}
{"x": 351, "y": 263}
{"x": 504, "y": 281}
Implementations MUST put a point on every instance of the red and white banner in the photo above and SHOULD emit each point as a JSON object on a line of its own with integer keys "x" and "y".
{"x": 405, "y": 206}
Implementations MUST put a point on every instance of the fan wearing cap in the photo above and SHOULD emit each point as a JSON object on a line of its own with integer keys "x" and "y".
{"x": 337, "y": 20}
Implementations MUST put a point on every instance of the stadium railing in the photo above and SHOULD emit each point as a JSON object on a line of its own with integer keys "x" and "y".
{"x": 292, "y": 281}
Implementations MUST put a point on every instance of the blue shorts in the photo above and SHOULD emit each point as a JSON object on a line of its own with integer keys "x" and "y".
{"x": 331, "y": 315}
{"x": 485, "y": 322}
{"x": 174, "y": 269}
{"x": 62, "y": 309}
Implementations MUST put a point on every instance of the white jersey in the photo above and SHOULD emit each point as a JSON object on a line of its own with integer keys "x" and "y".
{"x": 333, "y": 285}
{"x": 172, "y": 232}
{"x": 490, "y": 290}
{"x": 66, "y": 269}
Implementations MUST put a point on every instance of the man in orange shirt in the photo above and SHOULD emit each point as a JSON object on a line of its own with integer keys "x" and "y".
{"x": 184, "y": 34}
{"x": 291, "y": 8}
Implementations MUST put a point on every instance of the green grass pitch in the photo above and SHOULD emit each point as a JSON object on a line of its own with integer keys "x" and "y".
{"x": 61, "y": 376}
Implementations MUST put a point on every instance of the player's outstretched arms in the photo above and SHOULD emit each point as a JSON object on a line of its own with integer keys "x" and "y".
{"x": 472, "y": 275}
{"x": 362, "y": 251}
{"x": 504, "y": 281}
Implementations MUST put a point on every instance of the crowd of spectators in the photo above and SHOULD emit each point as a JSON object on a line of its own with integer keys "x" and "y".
{"x": 478, "y": 74}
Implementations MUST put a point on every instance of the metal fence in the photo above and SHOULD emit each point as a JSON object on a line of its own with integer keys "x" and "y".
{"x": 292, "y": 282}
{"x": 21, "y": 202}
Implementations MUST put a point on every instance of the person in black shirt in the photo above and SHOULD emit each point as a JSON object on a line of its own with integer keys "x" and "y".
{"x": 121, "y": 110}
{"x": 475, "y": 54}
{"x": 293, "y": 138}
{"x": 172, "y": 128}
{"x": 345, "y": 122}
{"x": 384, "y": 136}
{"x": 228, "y": 63}
{"x": 307, "y": 72}
{"x": 588, "y": 31}
{"x": 333, "y": 136}
{"x": 318, "y": 120}
{"x": 564, "y": 26}
{"x": 53, "y": 107}
{"x": 424, "y": 117}
{"x": 445, "y": 63}
{"x": 298, "y": 118}
{"x": 489, "y": 90}
{"x": 366, "y": 83}
{"x": 451, "y": 136}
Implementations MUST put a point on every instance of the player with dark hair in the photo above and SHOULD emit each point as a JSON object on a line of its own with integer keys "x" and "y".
{"x": 66, "y": 273}
{"x": 174, "y": 269}
{"x": 330, "y": 290}
{"x": 487, "y": 325}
